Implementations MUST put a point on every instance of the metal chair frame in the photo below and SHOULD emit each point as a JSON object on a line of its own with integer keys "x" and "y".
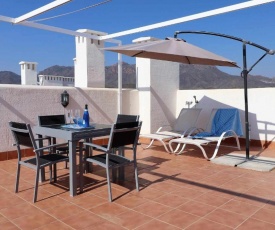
{"x": 123, "y": 135}
{"x": 23, "y": 136}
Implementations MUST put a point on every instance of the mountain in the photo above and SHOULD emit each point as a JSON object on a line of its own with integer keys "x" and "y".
{"x": 128, "y": 76}
{"x": 210, "y": 77}
{"x": 65, "y": 71}
{"x": 191, "y": 77}
{"x": 7, "y": 77}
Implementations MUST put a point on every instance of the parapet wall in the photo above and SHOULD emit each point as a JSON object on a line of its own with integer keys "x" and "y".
{"x": 24, "y": 103}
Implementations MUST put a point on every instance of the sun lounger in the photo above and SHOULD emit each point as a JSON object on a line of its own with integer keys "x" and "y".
{"x": 183, "y": 126}
{"x": 224, "y": 123}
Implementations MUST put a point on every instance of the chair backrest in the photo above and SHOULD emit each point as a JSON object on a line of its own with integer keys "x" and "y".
{"x": 224, "y": 119}
{"x": 186, "y": 119}
{"x": 23, "y": 136}
{"x": 122, "y": 118}
{"x": 122, "y": 134}
{"x": 51, "y": 120}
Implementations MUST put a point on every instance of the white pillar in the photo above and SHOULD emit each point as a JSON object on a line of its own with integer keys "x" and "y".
{"x": 89, "y": 63}
{"x": 158, "y": 82}
{"x": 28, "y": 73}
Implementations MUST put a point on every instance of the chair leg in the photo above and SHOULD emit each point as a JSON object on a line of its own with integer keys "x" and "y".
{"x": 54, "y": 173}
{"x": 17, "y": 177}
{"x": 51, "y": 173}
{"x": 109, "y": 184}
{"x": 136, "y": 175}
{"x": 36, "y": 185}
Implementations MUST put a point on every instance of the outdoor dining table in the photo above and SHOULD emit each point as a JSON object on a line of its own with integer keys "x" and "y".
{"x": 73, "y": 135}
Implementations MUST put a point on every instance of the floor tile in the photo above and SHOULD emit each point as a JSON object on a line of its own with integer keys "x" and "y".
{"x": 36, "y": 220}
{"x": 152, "y": 209}
{"x": 171, "y": 200}
{"x": 20, "y": 210}
{"x": 64, "y": 211}
{"x": 109, "y": 210}
{"x": 56, "y": 225}
{"x": 130, "y": 201}
{"x": 89, "y": 201}
{"x": 83, "y": 219}
{"x": 229, "y": 219}
{"x": 240, "y": 207}
{"x": 131, "y": 219}
{"x": 266, "y": 215}
{"x": 253, "y": 224}
{"x": 157, "y": 225}
{"x": 106, "y": 225}
{"x": 207, "y": 225}
{"x": 197, "y": 208}
{"x": 178, "y": 218}
{"x": 213, "y": 200}
{"x": 7, "y": 225}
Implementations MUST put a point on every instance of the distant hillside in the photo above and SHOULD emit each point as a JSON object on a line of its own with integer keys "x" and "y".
{"x": 65, "y": 71}
{"x": 191, "y": 77}
{"x": 128, "y": 76}
{"x": 7, "y": 77}
{"x": 210, "y": 77}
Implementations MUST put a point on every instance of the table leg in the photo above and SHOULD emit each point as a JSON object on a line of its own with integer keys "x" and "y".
{"x": 72, "y": 167}
{"x": 81, "y": 166}
{"x": 88, "y": 152}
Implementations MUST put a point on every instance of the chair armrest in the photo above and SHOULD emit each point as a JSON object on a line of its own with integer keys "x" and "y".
{"x": 160, "y": 128}
{"x": 50, "y": 146}
{"x": 94, "y": 146}
{"x": 193, "y": 131}
{"x": 42, "y": 138}
{"x": 233, "y": 134}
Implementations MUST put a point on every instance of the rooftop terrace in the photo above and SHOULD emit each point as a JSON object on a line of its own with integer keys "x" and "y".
{"x": 176, "y": 192}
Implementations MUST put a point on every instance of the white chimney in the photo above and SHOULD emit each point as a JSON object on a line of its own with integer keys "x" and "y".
{"x": 28, "y": 73}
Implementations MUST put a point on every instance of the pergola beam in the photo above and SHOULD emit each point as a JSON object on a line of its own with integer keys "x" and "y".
{"x": 205, "y": 14}
{"x": 40, "y": 10}
{"x": 56, "y": 29}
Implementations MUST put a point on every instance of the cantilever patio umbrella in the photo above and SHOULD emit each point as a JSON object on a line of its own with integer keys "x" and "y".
{"x": 172, "y": 49}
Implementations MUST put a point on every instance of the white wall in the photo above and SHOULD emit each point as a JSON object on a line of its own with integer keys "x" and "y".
{"x": 158, "y": 83}
{"x": 25, "y": 103}
{"x": 260, "y": 104}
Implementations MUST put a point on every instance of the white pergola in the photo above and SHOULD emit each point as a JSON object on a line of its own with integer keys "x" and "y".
{"x": 22, "y": 20}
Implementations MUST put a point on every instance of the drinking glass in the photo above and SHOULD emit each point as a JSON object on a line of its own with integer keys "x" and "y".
{"x": 77, "y": 116}
{"x": 70, "y": 116}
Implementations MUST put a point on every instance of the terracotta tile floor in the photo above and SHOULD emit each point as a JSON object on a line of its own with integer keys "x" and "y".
{"x": 176, "y": 192}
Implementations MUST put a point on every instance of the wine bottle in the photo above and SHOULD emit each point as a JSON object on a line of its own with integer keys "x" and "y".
{"x": 86, "y": 117}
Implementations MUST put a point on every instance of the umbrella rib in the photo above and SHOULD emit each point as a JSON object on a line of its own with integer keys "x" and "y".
{"x": 189, "y": 62}
{"x": 138, "y": 53}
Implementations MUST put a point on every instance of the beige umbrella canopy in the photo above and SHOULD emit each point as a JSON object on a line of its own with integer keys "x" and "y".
{"x": 172, "y": 49}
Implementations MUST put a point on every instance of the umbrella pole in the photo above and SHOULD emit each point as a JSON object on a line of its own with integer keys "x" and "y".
{"x": 244, "y": 75}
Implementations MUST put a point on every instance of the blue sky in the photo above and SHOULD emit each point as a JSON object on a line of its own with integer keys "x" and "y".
{"x": 20, "y": 43}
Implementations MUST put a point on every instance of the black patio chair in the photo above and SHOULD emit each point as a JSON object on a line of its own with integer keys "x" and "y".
{"x": 121, "y": 118}
{"x": 55, "y": 120}
{"x": 123, "y": 135}
{"x": 23, "y": 136}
